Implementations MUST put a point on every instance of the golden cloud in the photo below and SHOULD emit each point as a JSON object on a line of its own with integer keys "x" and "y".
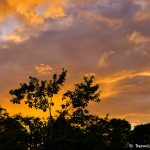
{"x": 23, "y": 19}
{"x": 142, "y": 15}
{"x": 32, "y": 12}
{"x": 138, "y": 38}
{"x": 109, "y": 83}
{"x": 13, "y": 37}
{"x": 43, "y": 69}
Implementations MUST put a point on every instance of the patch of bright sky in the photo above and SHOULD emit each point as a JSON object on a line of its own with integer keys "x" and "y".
{"x": 141, "y": 3}
{"x": 8, "y": 26}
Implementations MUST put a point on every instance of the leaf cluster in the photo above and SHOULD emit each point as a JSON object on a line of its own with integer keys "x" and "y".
{"x": 36, "y": 93}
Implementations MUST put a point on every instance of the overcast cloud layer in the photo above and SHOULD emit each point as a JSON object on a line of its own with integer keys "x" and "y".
{"x": 110, "y": 38}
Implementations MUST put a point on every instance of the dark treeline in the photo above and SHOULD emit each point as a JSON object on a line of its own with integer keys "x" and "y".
{"x": 74, "y": 128}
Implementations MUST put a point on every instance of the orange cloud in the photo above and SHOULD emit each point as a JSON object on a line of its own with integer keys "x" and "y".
{"x": 109, "y": 83}
{"x": 142, "y": 15}
{"x": 91, "y": 16}
{"x": 5, "y": 9}
{"x": 32, "y": 12}
{"x": 103, "y": 61}
{"x": 43, "y": 69}
{"x": 138, "y": 38}
{"x": 27, "y": 18}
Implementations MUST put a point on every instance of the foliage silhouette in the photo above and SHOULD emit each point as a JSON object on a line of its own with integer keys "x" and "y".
{"x": 83, "y": 93}
{"x": 37, "y": 93}
{"x": 12, "y": 133}
{"x": 74, "y": 128}
{"x": 141, "y": 134}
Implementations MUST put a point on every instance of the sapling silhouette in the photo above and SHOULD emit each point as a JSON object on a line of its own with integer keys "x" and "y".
{"x": 84, "y": 93}
{"x": 39, "y": 94}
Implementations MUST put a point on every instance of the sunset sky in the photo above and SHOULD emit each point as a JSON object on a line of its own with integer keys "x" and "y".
{"x": 108, "y": 38}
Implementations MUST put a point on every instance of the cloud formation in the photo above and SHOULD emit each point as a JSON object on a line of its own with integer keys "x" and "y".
{"x": 32, "y": 12}
{"x": 109, "y": 38}
{"x": 138, "y": 38}
{"x": 43, "y": 69}
{"x": 26, "y": 15}
{"x": 104, "y": 59}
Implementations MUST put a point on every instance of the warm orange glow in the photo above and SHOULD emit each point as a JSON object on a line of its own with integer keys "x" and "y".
{"x": 109, "y": 39}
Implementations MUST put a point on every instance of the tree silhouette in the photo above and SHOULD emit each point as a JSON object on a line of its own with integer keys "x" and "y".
{"x": 74, "y": 128}
{"x": 83, "y": 93}
{"x": 12, "y": 133}
{"x": 141, "y": 134}
{"x": 119, "y": 132}
{"x": 39, "y": 94}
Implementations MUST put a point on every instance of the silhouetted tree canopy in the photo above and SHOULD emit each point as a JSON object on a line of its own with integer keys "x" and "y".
{"x": 13, "y": 135}
{"x": 37, "y": 93}
{"x": 74, "y": 128}
{"x": 83, "y": 93}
